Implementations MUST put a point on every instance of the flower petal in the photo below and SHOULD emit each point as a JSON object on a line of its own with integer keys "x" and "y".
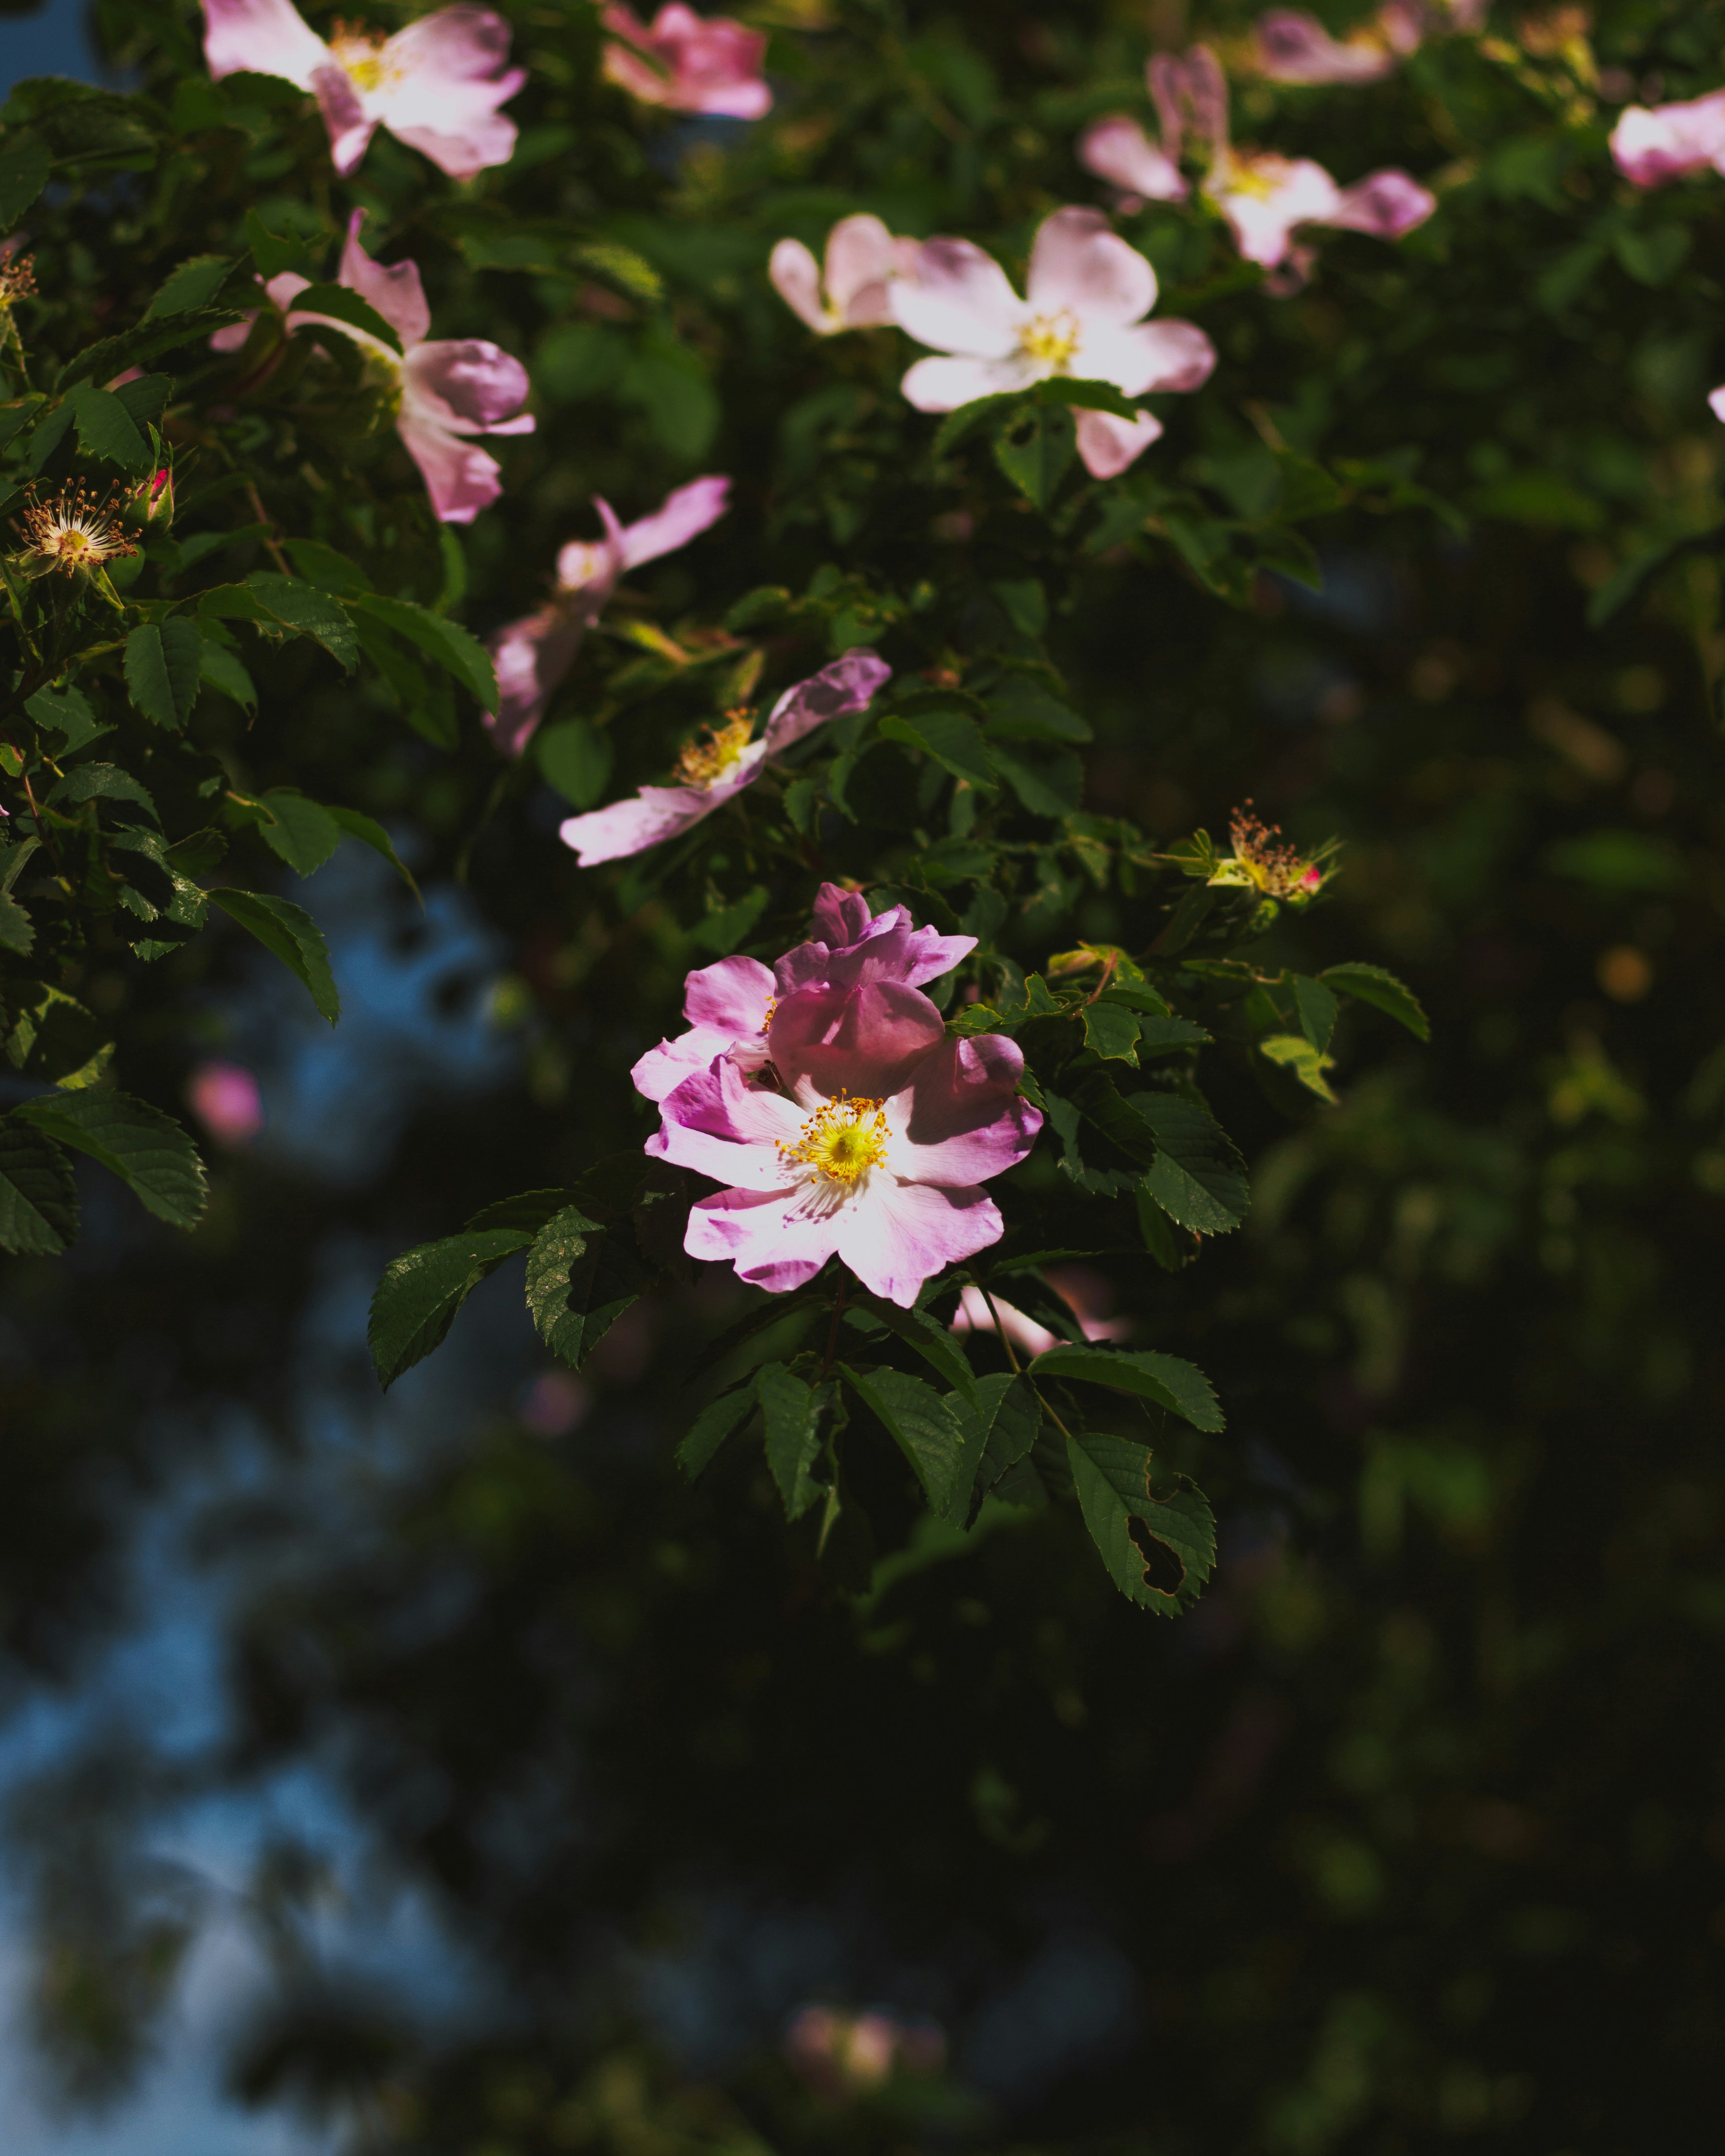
{"x": 849, "y": 684}
{"x": 396, "y": 292}
{"x": 1170, "y": 355}
{"x": 862, "y": 258}
{"x": 716, "y": 1124}
{"x": 942, "y": 385}
{"x": 1651, "y": 147}
{"x": 351, "y": 126}
{"x": 733, "y": 995}
{"x": 461, "y": 479}
{"x": 453, "y": 74}
{"x": 657, "y": 813}
{"x": 1280, "y": 193}
{"x": 771, "y": 1243}
{"x": 1716, "y": 402}
{"x": 466, "y": 384}
{"x": 959, "y": 1118}
{"x": 959, "y": 300}
{"x": 261, "y": 36}
{"x": 1295, "y": 46}
{"x": 680, "y": 517}
{"x": 1108, "y": 445}
{"x": 1078, "y": 261}
{"x": 975, "y": 1315}
{"x": 1387, "y": 204}
{"x": 1118, "y": 149}
{"x": 796, "y": 279}
{"x": 895, "y": 1236}
{"x": 864, "y": 1040}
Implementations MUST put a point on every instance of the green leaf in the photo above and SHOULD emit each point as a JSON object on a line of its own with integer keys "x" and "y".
{"x": 270, "y": 254}
{"x": 114, "y": 354}
{"x": 529, "y": 1209}
{"x": 221, "y": 668}
{"x": 194, "y": 284}
{"x": 1192, "y": 1168}
{"x": 1111, "y": 1033}
{"x": 579, "y": 1283}
{"x": 954, "y": 741}
{"x": 444, "y": 642}
{"x": 54, "y": 1036}
{"x": 327, "y": 565}
{"x": 295, "y": 938}
{"x": 725, "y": 928}
{"x": 924, "y": 1426}
{"x": 69, "y": 713}
{"x": 303, "y": 833}
{"x": 24, "y": 165}
{"x": 349, "y": 309}
{"x": 148, "y": 1150}
{"x": 933, "y": 1342}
{"x": 1372, "y": 984}
{"x": 370, "y": 833}
{"x": 421, "y": 1291}
{"x": 101, "y": 782}
{"x": 1295, "y": 1053}
{"x": 1051, "y": 788}
{"x": 1179, "y": 1386}
{"x": 163, "y": 661}
{"x": 711, "y": 1428}
{"x": 1035, "y": 449}
{"x": 576, "y": 758}
{"x": 1317, "y": 1008}
{"x": 287, "y": 603}
{"x": 106, "y": 428}
{"x": 38, "y": 1199}
{"x": 1007, "y": 1418}
{"x": 1162, "y": 1035}
{"x": 792, "y": 1413}
{"x": 1021, "y": 709}
{"x": 17, "y": 933}
{"x": 1112, "y": 1475}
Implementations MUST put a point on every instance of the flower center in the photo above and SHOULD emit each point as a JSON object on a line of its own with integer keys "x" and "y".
{"x": 1052, "y": 340}
{"x": 77, "y": 530}
{"x": 359, "y": 52}
{"x": 841, "y": 1140}
{"x": 704, "y": 763}
{"x": 1243, "y": 177}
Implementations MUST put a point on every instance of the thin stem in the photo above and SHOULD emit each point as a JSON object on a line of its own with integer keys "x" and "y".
{"x": 264, "y": 518}
{"x": 833, "y": 1331}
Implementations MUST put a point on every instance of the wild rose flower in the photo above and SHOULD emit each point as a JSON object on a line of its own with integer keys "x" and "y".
{"x": 225, "y": 1099}
{"x": 1118, "y": 150}
{"x": 1716, "y": 403}
{"x": 857, "y": 966}
{"x": 851, "y": 290}
{"x": 533, "y": 654}
{"x": 1087, "y": 293}
{"x": 1292, "y": 46}
{"x": 685, "y": 63}
{"x": 1258, "y": 862}
{"x": 74, "y": 532}
{"x": 888, "y": 1181}
{"x": 1653, "y": 145}
{"x": 444, "y": 388}
{"x": 435, "y": 85}
{"x": 712, "y": 773}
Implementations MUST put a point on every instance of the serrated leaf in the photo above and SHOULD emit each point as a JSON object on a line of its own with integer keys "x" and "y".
{"x": 54, "y": 1036}
{"x": 222, "y": 669}
{"x": 69, "y": 713}
{"x": 106, "y": 428}
{"x": 1112, "y": 1475}
{"x": 924, "y": 1426}
{"x": 1111, "y": 1033}
{"x": 1317, "y": 1008}
{"x": 114, "y": 354}
{"x": 163, "y": 664}
{"x": 420, "y": 1292}
{"x": 302, "y": 833}
{"x": 101, "y": 782}
{"x": 286, "y": 603}
{"x": 1294, "y": 1052}
{"x": 290, "y": 932}
{"x": 791, "y": 1410}
{"x": 1179, "y": 1386}
{"x": 1035, "y": 449}
{"x": 24, "y": 166}
{"x": 1372, "y": 984}
{"x": 711, "y": 1428}
{"x": 954, "y": 741}
{"x": 444, "y": 642}
{"x": 579, "y": 1283}
{"x": 38, "y": 1198}
{"x": 270, "y": 254}
{"x": 194, "y": 284}
{"x": 576, "y": 758}
{"x": 148, "y": 1150}
{"x": 1007, "y": 1418}
{"x": 1051, "y": 788}
{"x": 1191, "y": 1167}
{"x": 932, "y": 1341}
{"x": 529, "y": 1209}
{"x": 327, "y": 565}
{"x": 370, "y": 833}
{"x": 16, "y": 933}
{"x": 348, "y": 311}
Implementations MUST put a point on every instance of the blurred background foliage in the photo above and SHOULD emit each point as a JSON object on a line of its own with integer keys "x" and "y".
{"x": 1410, "y": 1835}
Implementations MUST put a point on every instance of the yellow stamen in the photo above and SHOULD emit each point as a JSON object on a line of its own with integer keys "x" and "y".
{"x": 76, "y": 530}
{"x": 359, "y": 52}
{"x": 842, "y": 1139}
{"x": 1052, "y": 340}
{"x": 704, "y": 763}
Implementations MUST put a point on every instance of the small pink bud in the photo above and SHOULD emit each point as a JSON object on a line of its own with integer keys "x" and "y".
{"x": 159, "y": 497}
{"x": 225, "y": 1099}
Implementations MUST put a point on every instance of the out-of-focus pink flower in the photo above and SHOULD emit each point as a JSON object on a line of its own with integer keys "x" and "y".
{"x": 1118, "y": 149}
{"x": 225, "y": 1099}
{"x": 1652, "y": 144}
{"x": 1716, "y": 402}
{"x": 890, "y": 1182}
{"x": 715, "y": 771}
{"x": 556, "y": 1402}
{"x": 1292, "y": 46}
{"x": 850, "y": 290}
{"x": 1087, "y": 295}
{"x": 446, "y": 389}
{"x": 842, "y": 2055}
{"x": 533, "y": 654}
{"x": 690, "y": 64}
{"x": 436, "y": 86}
{"x": 1085, "y": 1294}
{"x": 855, "y": 968}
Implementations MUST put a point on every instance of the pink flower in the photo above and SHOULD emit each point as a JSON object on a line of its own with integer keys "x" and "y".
{"x": 712, "y": 773}
{"x": 857, "y": 970}
{"x": 1292, "y": 46}
{"x": 225, "y": 1099}
{"x": 1669, "y": 140}
{"x": 445, "y": 389}
{"x": 1085, "y": 1293}
{"x": 888, "y": 1182}
{"x": 1088, "y": 292}
{"x": 1118, "y": 149}
{"x": 689, "y": 64}
{"x": 862, "y": 260}
{"x": 436, "y": 85}
{"x": 1716, "y": 403}
{"x": 533, "y": 654}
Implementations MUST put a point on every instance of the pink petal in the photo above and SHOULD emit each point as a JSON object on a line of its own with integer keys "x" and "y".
{"x": 657, "y": 813}
{"x": 842, "y": 917}
{"x": 702, "y": 65}
{"x": 1299, "y": 192}
{"x": 961, "y": 1114}
{"x": 532, "y": 656}
{"x": 1118, "y": 149}
{"x": 973, "y": 1315}
{"x": 1295, "y": 46}
{"x": 584, "y": 565}
{"x": 718, "y": 1125}
{"x": 890, "y": 949}
{"x": 1387, "y": 204}
{"x": 261, "y": 36}
{"x": 233, "y": 337}
{"x": 1716, "y": 402}
{"x": 1652, "y": 146}
{"x": 732, "y": 996}
{"x": 1079, "y": 262}
{"x": 1107, "y": 444}
{"x": 862, "y": 256}
{"x": 1190, "y": 87}
{"x": 1169, "y": 355}
{"x": 849, "y": 684}
{"x": 681, "y": 517}
{"x": 463, "y": 383}
{"x": 959, "y": 300}
{"x": 461, "y": 479}
{"x": 942, "y": 385}
{"x": 351, "y": 126}
{"x": 864, "y": 1040}
{"x": 895, "y": 1236}
{"x": 796, "y": 279}
{"x": 454, "y": 74}
{"x": 396, "y": 292}
{"x": 662, "y": 1069}
{"x": 771, "y": 1240}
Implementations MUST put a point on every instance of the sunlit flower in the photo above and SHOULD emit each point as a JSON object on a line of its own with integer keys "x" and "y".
{"x": 533, "y": 655}
{"x": 851, "y": 289}
{"x": 225, "y": 1099}
{"x": 436, "y": 85}
{"x": 1087, "y": 293}
{"x": 685, "y": 62}
{"x": 709, "y": 773}
{"x": 1652, "y": 144}
{"x": 1279, "y": 871}
{"x": 77, "y": 530}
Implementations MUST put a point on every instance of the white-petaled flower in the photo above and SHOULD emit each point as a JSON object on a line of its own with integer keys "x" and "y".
{"x": 852, "y": 289}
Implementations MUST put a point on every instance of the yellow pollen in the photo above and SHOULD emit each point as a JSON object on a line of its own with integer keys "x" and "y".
{"x": 766, "y": 1022}
{"x": 75, "y": 530}
{"x": 842, "y": 1139}
{"x": 1052, "y": 340}
{"x": 359, "y": 52}
{"x": 704, "y": 763}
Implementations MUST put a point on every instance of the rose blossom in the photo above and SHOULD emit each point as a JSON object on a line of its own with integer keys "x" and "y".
{"x": 435, "y": 85}
{"x": 533, "y": 654}
{"x": 851, "y": 290}
{"x": 712, "y": 773}
{"x": 444, "y": 388}
{"x": 859, "y": 964}
{"x": 1292, "y": 46}
{"x": 1087, "y": 293}
{"x": 1652, "y": 144}
{"x": 689, "y": 64}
